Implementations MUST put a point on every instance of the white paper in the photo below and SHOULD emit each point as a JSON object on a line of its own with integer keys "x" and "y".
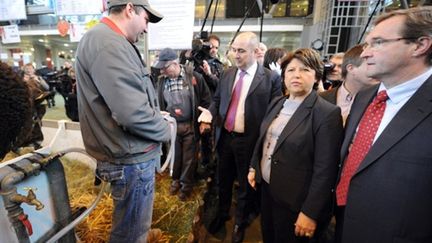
{"x": 10, "y": 34}
{"x": 76, "y": 31}
{"x": 78, "y": 7}
{"x": 12, "y": 10}
{"x": 175, "y": 30}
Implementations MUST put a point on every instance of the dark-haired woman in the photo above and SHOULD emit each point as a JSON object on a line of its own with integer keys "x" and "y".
{"x": 296, "y": 157}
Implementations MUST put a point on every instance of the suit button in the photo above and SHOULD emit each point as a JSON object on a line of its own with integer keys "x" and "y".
{"x": 275, "y": 162}
{"x": 339, "y": 165}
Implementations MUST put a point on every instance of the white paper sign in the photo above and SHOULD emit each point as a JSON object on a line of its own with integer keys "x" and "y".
{"x": 78, "y": 7}
{"x": 175, "y": 30}
{"x": 76, "y": 31}
{"x": 10, "y": 34}
{"x": 12, "y": 10}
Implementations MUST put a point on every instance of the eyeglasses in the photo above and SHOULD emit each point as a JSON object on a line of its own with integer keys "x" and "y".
{"x": 376, "y": 44}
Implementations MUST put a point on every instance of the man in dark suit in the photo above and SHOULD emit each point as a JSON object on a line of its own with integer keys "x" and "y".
{"x": 388, "y": 195}
{"x": 238, "y": 107}
{"x": 354, "y": 79}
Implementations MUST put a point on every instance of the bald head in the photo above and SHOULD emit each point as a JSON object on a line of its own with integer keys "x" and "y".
{"x": 244, "y": 49}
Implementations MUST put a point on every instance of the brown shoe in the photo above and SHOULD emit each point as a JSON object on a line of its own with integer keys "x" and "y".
{"x": 184, "y": 195}
{"x": 174, "y": 188}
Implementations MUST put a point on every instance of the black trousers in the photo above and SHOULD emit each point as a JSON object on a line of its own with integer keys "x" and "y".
{"x": 277, "y": 221}
{"x": 339, "y": 213}
{"x": 185, "y": 162}
{"x": 234, "y": 157}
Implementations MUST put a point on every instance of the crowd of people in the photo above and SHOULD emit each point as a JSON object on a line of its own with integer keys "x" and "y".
{"x": 300, "y": 143}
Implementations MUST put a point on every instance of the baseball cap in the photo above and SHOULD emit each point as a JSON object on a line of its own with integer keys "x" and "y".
{"x": 154, "y": 16}
{"x": 165, "y": 56}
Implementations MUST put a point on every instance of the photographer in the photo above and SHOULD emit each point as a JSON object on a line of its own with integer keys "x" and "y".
{"x": 211, "y": 69}
{"x": 333, "y": 71}
{"x": 205, "y": 58}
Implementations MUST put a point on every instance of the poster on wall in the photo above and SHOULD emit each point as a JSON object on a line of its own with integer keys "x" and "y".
{"x": 175, "y": 30}
{"x": 10, "y": 34}
{"x": 78, "y": 7}
{"x": 77, "y": 31}
{"x": 12, "y": 10}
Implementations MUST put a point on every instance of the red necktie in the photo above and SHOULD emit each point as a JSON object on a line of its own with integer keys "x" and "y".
{"x": 362, "y": 142}
{"x": 235, "y": 98}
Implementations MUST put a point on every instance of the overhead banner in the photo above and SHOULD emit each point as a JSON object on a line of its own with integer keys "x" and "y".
{"x": 175, "y": 30}
{"x": 78, "y": 7}
{"x": 12, "y": 10}
{"x": 10, "y": 34}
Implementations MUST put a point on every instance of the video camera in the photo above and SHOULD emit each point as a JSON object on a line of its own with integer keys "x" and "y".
{"x": 328, "y": 66}
{"x": 200, "y": 49}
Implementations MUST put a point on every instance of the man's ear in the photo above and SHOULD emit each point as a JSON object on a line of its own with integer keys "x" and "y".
{"x": 256, "y": 50}
{"x": 424, "y": 46}
{"x": 129, "y": 10}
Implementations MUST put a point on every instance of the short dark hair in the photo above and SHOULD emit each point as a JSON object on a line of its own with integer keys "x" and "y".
{"x": 418, "y": 22}
{"x": 309, "y": 57}
{"x": 16, "y": 108}
{"x": 214, "y": 37}
{"x": 352, "y": 56}
{"x": 272, "y": 55}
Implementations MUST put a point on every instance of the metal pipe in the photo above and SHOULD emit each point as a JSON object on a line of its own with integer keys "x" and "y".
{"x": 76, "y": 221}
{"x": 8, "y": 191}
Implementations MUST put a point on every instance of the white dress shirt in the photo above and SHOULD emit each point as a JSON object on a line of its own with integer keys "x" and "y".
{"x": 247, "y": 81}
{"x": 398, "y": 96}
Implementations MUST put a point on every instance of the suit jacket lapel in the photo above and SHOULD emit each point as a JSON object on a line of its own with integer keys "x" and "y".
{"x": 409, "y": 116}
{"x": 257, "y": 79}
{"x": 269, "y": 119}
{"x": 231, "y": 79}
{"x": 299, "y": 115}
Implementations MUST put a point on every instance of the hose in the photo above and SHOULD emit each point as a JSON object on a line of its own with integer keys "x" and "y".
{"x": 170, "y": 156}
{"x": 77, "y": 220}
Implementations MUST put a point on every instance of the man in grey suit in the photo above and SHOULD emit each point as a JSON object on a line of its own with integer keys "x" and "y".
{"x": 238, "y": 107}
{"x": 387, "y": 197}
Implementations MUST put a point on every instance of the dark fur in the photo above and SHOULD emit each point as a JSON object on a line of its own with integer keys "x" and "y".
{"x": 15, "y": 107}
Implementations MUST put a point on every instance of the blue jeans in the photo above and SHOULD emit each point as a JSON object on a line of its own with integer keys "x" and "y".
{"x": 132, "y": 188}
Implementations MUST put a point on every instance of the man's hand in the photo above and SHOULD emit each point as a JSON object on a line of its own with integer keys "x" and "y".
{"x": 275, "y": 67}
{"x": 205, "y": 116}
{"x": 204, "y": 128}
{"x": 251, "y": 178}
{"x": 206, "y": 68}
{"x": 304, "y": 226}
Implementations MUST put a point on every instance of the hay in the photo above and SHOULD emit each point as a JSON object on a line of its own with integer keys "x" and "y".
{"x": 173, "y": 217}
